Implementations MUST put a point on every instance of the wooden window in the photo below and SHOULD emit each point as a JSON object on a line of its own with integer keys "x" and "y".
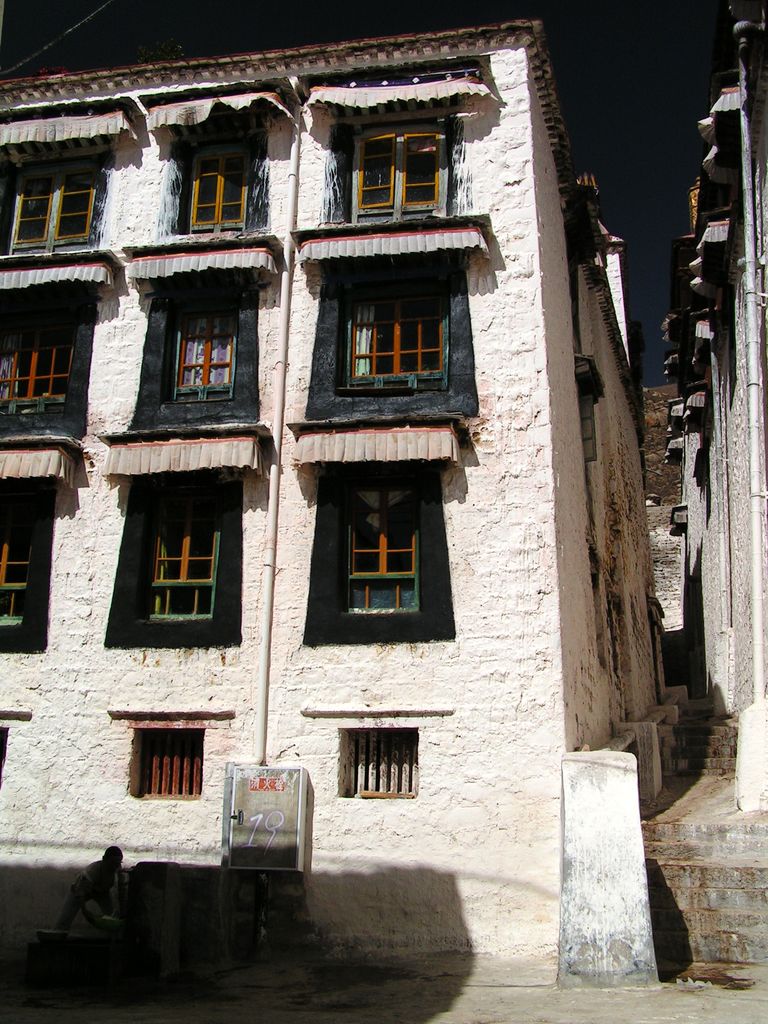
{"x": 379, "y": 763}
{"x": 398, "y": 342}
{"x": 185, "y": 555}
{"x": 35, "y": 366}
{"x": 17, "y": 523}
{"x": 167, "y": 762}
{"x": 421, "y": 169}
{"x": 587, "y": 418}
{"x": 218, "y": 192}
{"x": 55, "y": 207}
{"x": 205, "y": 356}
{"x": 376, "y": 185}
{"x": 3, "y": 751}
{"x": 400, "y": 172}
{"x": 383, "y": 549}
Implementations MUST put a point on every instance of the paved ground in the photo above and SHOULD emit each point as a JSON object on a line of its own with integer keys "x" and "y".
{"x": 445, "y": 990}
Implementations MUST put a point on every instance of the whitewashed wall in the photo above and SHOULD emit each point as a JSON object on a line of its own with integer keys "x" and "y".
{"x": 521, "y": 683}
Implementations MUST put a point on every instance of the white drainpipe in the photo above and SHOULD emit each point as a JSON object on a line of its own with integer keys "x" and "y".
{"x": 278, "y": 425}
{"x": 752, "y": 753}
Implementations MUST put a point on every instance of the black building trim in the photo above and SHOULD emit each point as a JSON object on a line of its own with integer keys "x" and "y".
{"x": 31, "y": 634}
{"x": 68, "y": 304}
{"x": 328, "y": 400}
{"x": 129, "y": 624}
{"x": 154, "y": 407}
{"x": 328, "y": 621}
{"x": 183, "y": 155}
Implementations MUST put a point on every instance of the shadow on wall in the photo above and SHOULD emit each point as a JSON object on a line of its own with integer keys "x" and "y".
{"x": 385, "y": 911}
{"x": 674, "y": 653}
{"x": 185, "y": 917}
{"x": 670, "y": 931}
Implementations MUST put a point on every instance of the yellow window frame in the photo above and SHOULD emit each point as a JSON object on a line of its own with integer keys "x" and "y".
{"x": 52, "y": 233}
{"x": 58, "y": 235}
{"x": 361, "y": 189}
{"x": 436, "y": 179}
{"x": 218, "y": 204}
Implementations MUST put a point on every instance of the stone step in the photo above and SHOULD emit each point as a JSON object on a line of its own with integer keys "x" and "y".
{"x": 706, "y": 921}
{"x": 699, "y": 851}
{"x": 686, "y": 897}
{"x": 734, "y": 834}
{"x": 679, "y": 946}
{"x": 700, "y": 725}
{"x": 699, "y": 766}
{"x": 705, "y": 875}
{"x": 703, "y": 747}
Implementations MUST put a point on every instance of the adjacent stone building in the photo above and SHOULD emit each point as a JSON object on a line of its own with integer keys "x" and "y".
{"x": 717, "y": 424}
{"x": 319, "y": 450}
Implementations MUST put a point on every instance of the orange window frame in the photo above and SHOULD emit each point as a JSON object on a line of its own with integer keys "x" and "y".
{"x": 12, "y": 380}
{"x": 10, "y": 516}
{"x": 163, "y": 588}
{"x": 218, "y": 203}
{"x": 397, "y": 347}
{"x": 383, "y": 551}
{"x": 208, "y": 341}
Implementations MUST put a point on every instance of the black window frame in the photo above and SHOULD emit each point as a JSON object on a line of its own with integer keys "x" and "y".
{"x": 30, "y": 635}
{"x": 130, "y": 624}
{"x": 328, "y": 621}
{"x": 47, "y": 305}
{"x": 330, "y": 398}
{"x": 157, "y": 405}
{"x": 398, "y": 294}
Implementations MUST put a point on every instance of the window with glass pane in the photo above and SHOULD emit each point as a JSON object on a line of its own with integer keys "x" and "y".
{"x": 399, "y": 173}
{"x": 421, "y": 167}
{"x": 55, "y": 208}
{"x": 219, "y": 192}
{"x": 17, "y": 521}
{"x": 34, "y": 366}
{"x": 397, "y": 338}
{"x": 377, "y": 175}
{"x": 185, "y": 554}
{"x": 206, "y": 356}
{"x": 383, "y": 550}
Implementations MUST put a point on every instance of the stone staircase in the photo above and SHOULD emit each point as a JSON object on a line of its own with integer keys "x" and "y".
{"x": 707, "y": 864}
{"x": 698, "y": 747}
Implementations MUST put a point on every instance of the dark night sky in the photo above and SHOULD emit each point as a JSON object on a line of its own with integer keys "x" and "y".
{"x": 632, "y": 77}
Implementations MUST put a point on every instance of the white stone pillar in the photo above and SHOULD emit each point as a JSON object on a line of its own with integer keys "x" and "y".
{"x": 605, "y": 920}
{"x": 752, "y": 758}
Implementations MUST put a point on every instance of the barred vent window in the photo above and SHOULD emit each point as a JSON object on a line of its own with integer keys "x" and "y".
{"x": 167, "y": 762}
{"x": 379, "y": 763}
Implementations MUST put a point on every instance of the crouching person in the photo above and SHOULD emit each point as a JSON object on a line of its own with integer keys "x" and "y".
{"x": 94, "y": 883}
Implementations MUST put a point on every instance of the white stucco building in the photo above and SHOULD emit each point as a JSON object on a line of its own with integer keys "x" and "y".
{"x": 319, "y": 448}
{"x": 717, "y": 424}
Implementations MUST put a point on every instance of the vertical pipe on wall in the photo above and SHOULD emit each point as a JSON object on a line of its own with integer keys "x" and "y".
{"x": 743, "y": 32}
{"x": 278, "y": 425}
